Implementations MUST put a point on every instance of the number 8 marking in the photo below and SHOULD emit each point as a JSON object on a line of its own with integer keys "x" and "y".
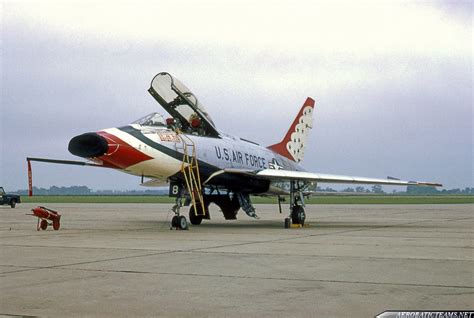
{"x": 175, "y": 189}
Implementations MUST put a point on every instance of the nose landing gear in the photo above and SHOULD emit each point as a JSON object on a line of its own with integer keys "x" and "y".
{"x": 197, "y": 212}
{"x": 179, "y": 222}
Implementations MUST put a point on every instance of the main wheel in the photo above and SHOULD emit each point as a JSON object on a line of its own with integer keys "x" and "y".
{"x": 193, "y": 218}
{"x": 182, "y": 222}
{"x": 298, "y": 215}
{"x": 13, "y": 203}
{"x": 43, "y": 225}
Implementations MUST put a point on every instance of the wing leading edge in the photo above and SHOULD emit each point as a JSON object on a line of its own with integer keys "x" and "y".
{"x": 288, "y": 175}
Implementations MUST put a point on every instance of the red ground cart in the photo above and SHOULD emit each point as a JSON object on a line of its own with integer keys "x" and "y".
{"x": 46, "y": 217}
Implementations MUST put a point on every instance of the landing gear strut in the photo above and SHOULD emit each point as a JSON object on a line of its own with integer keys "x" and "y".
{"x": 179, "y": 221}
{"x": 297, "y": 213}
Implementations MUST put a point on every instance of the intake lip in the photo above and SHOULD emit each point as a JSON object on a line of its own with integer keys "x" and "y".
{"x": 88, "y": 145}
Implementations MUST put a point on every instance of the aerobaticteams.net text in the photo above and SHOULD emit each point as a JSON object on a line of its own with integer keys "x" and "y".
{"x": 426, "y": 314}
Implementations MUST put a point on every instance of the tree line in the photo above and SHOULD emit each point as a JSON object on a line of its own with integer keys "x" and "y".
{"x": 84, "y": 190}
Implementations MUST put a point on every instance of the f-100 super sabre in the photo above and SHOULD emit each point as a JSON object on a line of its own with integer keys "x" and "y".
{"x": 202, "y": 164}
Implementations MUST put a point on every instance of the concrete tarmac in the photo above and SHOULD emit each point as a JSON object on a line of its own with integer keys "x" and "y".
{"x": 122, "y": 260}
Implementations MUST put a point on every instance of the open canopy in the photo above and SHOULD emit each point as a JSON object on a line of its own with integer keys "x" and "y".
{"x": 179, "y": 102}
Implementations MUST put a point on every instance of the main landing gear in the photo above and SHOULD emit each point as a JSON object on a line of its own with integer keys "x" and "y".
{"x": 196, "y": 219}
{"x": 297, "y": 215}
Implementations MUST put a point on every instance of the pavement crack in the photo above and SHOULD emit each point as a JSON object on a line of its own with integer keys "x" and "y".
{"x": 272, "y": 278}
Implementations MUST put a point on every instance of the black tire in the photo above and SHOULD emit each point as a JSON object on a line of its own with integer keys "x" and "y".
{"x": 174, "y": 221}
{"x": 183, "y": 223}
{"x": 193, "y": 218}
{"x": 13, "y": 203}
{"x": 287, "y": 223}
{"x": 298, "y": 215}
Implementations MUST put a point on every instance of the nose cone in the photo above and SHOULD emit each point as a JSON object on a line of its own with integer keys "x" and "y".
{"x": 88, "y": 145}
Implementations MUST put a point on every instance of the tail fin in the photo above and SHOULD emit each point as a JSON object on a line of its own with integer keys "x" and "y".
{"x": 293, "y": 144}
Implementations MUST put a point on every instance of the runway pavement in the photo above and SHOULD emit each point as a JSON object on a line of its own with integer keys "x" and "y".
{"x": 122, "y": 260}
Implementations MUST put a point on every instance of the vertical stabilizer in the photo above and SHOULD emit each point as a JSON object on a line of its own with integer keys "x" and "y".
{"x": 293, "y": 144}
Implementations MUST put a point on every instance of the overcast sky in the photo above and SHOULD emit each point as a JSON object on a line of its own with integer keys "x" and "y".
{"x": 392, "y": 80}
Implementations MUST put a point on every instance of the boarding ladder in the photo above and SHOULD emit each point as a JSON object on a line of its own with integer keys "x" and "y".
{"x": 190, "y": 171}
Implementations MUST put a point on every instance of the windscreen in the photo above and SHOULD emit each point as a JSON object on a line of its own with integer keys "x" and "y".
{"x": 153, "y": 119}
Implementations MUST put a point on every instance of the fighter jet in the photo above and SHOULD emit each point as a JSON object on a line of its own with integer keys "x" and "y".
{"x": 202, "y": 164}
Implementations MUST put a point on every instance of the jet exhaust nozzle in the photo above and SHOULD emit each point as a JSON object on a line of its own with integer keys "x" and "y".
{"x": 88, "y": 145}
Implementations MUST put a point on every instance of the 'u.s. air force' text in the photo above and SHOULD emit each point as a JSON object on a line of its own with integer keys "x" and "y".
{"x": 240, "y": 158}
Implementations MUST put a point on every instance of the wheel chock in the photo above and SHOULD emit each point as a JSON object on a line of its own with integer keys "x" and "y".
{"x": 298, "y": 226}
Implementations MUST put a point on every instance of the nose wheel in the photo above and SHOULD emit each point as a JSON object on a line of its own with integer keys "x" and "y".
{"x": 179, "y": 222}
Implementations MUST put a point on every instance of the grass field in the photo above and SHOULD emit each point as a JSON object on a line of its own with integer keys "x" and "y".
{"x": 323, "y": 199}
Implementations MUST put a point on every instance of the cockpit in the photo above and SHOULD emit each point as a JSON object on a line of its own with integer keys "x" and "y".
{"x": 188, "y": 113}
{"x": 151, "y": 120}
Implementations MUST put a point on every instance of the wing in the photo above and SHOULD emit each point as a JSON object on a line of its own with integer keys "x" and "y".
{"x": 153, "y": 182}
{"x": 57, "y": 161}
{"x": 180, "y": 103}
{"x": 288, "y": 175}
{"x": 65, "y": 162}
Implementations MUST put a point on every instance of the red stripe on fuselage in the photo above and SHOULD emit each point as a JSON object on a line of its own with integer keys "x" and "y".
{"x": 120, "y": 154}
